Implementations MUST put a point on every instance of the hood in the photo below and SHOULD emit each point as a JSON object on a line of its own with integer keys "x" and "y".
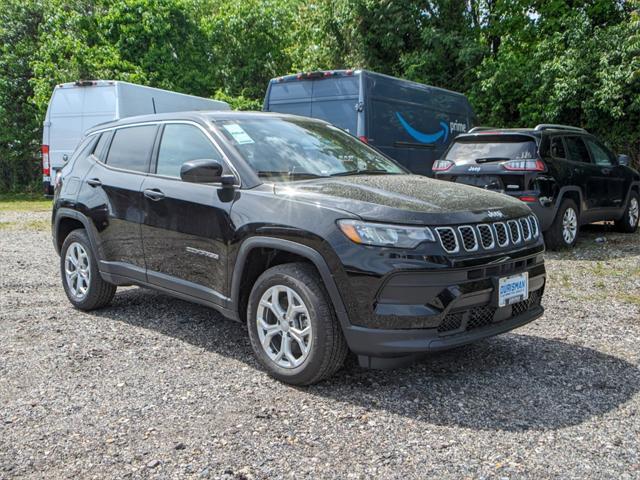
{"x": 406, "y": 199}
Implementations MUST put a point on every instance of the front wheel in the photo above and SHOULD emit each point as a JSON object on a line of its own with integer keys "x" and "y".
{"x": 81, "y": 279}
{"x": 629, "y": 222}
{"x": 292, "y": 326}
{"x": 563, "y": 232}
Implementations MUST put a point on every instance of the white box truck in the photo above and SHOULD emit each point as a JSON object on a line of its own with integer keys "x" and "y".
{"x": 77, "y": 106}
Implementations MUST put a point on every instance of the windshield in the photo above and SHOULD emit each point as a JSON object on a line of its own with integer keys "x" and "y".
{"x": 294, "y": 149}
{"x": 492, "y": 149}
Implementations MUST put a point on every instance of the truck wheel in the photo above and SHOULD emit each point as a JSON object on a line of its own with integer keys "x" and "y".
{"x": 81, "y": 279}
{"x": 292, "y": 326}
{"x": 563, "y": 232}
{"x": 629, "y": 222}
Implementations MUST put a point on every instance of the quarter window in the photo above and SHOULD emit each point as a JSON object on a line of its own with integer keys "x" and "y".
{"x": 600, "y": 155}
{"x": 577, "y": 150}
{"x": 131, "y": 148}
{"x": 181, "y": 143}
{"x": 100, "y": 151}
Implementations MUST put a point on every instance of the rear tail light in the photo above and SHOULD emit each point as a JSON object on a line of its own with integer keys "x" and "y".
{"x": 442, "y": 165}
{"x": 363, "y": 139}
{"x": 46, "y": 166}
{"x": 529, "y": 198}
{"x": 524, "y": 165}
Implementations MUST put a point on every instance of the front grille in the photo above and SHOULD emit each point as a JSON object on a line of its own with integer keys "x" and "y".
{"x": 472, "y": 238}
{"x": 469, "y": 240}
{"x": 480, "y": 317}
{"x": 514, "y": 232}
{"x": 535, "y": 230}
{"x": 526, "y": 230}
{"x": 483, "y": 316}
{"x": 486, "y": 236}
{"x": 452, "y": 321}
{"x": 448, "y": 239}
{"x": 501, "y": 234}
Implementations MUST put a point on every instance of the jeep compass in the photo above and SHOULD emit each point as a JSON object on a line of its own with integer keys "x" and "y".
{"x": 318, "y": 242}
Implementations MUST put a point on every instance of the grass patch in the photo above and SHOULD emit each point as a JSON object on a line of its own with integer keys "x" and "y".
{"x": 37, "y": 225}
{"x": 24, "y": 202}
{"x": 633, "y": 299}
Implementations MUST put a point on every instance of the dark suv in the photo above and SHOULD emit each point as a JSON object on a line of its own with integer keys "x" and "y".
{"x": 314, "y": 239}
{"x": 563, "y": 173}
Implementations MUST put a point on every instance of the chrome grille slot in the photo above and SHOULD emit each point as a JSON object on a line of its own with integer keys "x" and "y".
{"x": 448, "y": 239}
{"x": 535, "y": 230}
{"x": 526, "y": 229}
{"x": 501, "y": 234}
{"x": 486, "y": 236}
{"x": 514, "y": 231}
{"x": 469, "y": 238}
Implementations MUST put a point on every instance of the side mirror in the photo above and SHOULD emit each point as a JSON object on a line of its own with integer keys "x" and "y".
{"x": 205, "y": 171}
{"x": 623, "y": 160}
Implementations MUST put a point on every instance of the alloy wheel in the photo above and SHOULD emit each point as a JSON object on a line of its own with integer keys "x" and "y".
{"x": 569, "y": 225}
{"x": 284, "y": 326}
{"x": 77, "y": 269}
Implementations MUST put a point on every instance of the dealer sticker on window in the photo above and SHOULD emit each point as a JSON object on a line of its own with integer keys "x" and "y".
{"x": 513, "y": 289}
{"x": 237, "y": 132}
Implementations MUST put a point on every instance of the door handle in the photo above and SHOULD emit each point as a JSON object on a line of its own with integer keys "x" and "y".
{"x": 153, "y": 194}
{"x": 94, "y": 182}
{"x": 606, "y": 171}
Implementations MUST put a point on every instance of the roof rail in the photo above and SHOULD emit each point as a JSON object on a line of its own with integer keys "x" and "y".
{"x": 479, "y": 129}
{"x": 552, "y": 126}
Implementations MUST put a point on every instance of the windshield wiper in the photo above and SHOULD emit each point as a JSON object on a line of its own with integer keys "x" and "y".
{"x": 492, "y": 159}
{"x": 364, "y": 171}
{"x": 299, "y": 175}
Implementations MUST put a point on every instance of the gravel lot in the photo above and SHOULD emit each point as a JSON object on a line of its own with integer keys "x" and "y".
{"x": 157, "y": 387}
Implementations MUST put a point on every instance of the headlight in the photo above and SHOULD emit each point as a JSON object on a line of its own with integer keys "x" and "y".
{"x": 382, "y": 235}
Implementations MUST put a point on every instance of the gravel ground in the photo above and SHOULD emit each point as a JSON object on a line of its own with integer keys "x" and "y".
{"x": 156, "y": 387}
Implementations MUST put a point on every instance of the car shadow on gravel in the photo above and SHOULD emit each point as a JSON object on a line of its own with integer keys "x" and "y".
{"x": 512, "y": 382}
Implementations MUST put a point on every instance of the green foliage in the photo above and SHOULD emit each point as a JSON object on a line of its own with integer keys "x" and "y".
{"x": 520, "y": 61}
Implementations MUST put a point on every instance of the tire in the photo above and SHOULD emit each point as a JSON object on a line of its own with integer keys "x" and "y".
{"x": 295, "y": 285}
{"x": 556, "y": 238}
{"x": 629, "y": 221}
{"x": 98, "y": 293}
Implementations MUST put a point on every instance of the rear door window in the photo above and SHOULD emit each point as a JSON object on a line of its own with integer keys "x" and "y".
{"x": 131, "y": 148}
{"x": 556, "y": 148}
{"x": 181, "y": 143}
{"x": 601, "y": 156}
{"x": 492, "y": 148}
{"x": 577, "y": 150}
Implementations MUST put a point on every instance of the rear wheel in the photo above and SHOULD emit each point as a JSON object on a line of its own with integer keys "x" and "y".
{"x": 563, "y": 232}
{"x": 629, "y": 222}
{"x": 81, "y": 279}
{"x": 292, "y": 326}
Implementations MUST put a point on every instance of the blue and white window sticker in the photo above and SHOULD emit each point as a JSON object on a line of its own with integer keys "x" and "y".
{"x": 237, "y": 132}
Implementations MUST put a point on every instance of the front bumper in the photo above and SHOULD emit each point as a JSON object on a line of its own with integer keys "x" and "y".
{"x": 419, "y": 312}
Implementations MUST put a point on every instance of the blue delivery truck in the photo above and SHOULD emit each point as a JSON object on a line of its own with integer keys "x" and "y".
{"x": 410, "y": 122}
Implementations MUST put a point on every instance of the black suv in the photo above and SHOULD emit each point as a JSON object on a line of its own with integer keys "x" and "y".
{"x": 314, "y": 239}
{"x": 563, "y": 173}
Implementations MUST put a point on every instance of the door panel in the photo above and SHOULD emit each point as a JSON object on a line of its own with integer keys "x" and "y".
{"x": 185, "y": 235}
{"x": 114, "y": 204}
{"x": 186, "y": 226}
{"x": 610, "y": 181}
{"x": 585, "y": 174}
